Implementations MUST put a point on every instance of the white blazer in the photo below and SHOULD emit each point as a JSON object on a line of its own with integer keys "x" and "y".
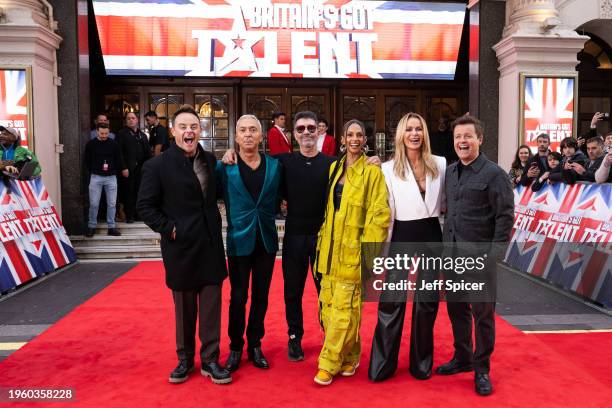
{"x": 405, "y": 198}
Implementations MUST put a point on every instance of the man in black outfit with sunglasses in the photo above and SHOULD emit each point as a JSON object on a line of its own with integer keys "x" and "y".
{"x": 304, "y": 185}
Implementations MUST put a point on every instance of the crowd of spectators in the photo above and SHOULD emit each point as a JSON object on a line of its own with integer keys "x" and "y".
{"x": 587, "y": 158}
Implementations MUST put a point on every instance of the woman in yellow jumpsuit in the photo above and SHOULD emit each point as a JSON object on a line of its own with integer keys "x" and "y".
{"x": 357, "y": 211}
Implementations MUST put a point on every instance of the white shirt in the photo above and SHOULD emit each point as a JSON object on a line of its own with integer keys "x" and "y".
{"x": 405, "y": 200}
{"x": 320, "y": 141}
{"x": 283, "y": 133}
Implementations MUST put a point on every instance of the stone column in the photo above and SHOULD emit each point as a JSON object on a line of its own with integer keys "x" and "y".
{"x": 486, "y": 20}
{"x": 74, "y": 108}
{"x": 534, "y": 41}
{"x": 28, "y": 39}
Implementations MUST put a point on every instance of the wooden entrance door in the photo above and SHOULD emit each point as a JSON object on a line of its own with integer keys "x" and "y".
{"x": 263, "y": 102}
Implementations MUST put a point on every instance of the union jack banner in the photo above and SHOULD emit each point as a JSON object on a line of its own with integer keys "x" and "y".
{"x": 14, "y": 101}
{"x": 562, "y": 233}
{"x": 548, "y": 108}
{"x": 280, "y": 38}
{"x": 34, "y": 242}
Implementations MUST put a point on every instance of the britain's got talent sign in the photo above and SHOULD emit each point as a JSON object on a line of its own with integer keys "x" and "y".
{"x": 563, "y": 233}
{"x": 32, "y": 239}
{"x": 290, "y": 38}
{"x": 15, "y": 101}
{"x": 548, "y": 105}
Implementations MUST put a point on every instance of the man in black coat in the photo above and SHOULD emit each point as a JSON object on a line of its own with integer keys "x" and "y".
{"x": 595, "y": 151}
{"x": 135, "y": 151}
{"x": 480, "y": 209}
{"x": 538, "y": 164}
{"x": 158, "y": 134}
{"x": 178, "y": 199}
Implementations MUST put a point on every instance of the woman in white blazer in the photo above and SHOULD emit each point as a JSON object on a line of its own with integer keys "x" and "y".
{"x": 415, "y": 184}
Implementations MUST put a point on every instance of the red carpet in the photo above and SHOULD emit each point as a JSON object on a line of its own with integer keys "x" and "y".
{"x": 117, "y": 350}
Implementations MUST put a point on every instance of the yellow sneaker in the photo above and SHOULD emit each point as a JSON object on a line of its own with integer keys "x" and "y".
{"x": 348, "y": 369}
{"x": 323, "y": 378}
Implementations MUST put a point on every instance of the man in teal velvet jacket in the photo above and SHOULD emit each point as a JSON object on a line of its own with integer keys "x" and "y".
{"x": 250, "y": 190}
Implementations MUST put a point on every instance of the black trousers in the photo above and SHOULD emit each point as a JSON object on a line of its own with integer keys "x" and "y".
{"x": 187, "y": 305}
{"x": 388, "y": 332}
{"x": 299, "y": 251}
{"x": 260, "y": 265}
{"x": 483, "y": 314}
{"x": 129, "y": 191}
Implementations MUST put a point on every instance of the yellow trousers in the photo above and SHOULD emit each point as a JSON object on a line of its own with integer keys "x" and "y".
{"x": 340, "y": 314}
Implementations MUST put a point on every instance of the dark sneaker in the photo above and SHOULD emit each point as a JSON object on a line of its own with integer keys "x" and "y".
{"x": 217, "y": 374}
{"x": 114, "y": 232}
{"x": 294, "y": 350}
{"x": 90, "y": 232}
{"x": 181, "y": 372}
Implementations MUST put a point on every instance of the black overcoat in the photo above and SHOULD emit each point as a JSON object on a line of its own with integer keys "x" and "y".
{"x": 170, "y": 196}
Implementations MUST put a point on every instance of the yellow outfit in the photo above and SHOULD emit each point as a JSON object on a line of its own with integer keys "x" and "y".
{"x": 363, "y": 216}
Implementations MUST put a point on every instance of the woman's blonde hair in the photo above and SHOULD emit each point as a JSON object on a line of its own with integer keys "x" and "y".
{"x": 401, "y": 164}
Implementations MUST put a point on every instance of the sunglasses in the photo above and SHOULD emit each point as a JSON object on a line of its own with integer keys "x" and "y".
{"x": 301, "y": 129}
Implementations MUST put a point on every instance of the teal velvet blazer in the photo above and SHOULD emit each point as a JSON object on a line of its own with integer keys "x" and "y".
{"x": 244, "y": 214}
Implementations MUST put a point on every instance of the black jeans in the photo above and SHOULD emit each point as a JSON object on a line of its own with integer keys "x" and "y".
{"x": 187, "y": 305}
{"x": 483, "y": 313}
{"x": 299, "y": 251}
{"x": 260, "y": 264}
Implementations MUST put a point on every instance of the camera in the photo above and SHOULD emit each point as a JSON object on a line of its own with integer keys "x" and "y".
{"x": 607, "y": 115}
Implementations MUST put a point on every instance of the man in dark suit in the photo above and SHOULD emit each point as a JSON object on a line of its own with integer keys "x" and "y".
{"x": 178, "y": 199}
{"x": 480, "y": 209}
{"x": 135, "y": 151}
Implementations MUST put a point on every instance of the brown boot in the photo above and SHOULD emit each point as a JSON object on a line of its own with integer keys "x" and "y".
{"x": 120, "y": 216}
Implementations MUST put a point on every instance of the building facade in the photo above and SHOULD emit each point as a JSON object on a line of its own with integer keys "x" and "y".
{"x": 74, "y": 64}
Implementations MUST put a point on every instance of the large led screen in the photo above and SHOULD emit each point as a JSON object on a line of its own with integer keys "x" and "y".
{"x": 298, "y": 39}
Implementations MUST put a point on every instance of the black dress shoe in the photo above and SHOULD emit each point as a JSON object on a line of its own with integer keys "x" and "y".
{"x": 217, "y": 374}
{"x": 233, "y": 360}
{"x": 181, "y": 372}
{"x": 419, "y": 375}
{"x": 90, "y": 232}
{"x": 259, "y": 360}
{"x": 114, "y": 232}
{"x": 453, "y": 367}
{"x": 130, "y": 221}
{"x": 294, "y": 350}
{"x": 483, "y": 384}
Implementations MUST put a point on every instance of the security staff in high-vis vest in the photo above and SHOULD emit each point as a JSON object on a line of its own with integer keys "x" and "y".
{"x": 357, "y": 211}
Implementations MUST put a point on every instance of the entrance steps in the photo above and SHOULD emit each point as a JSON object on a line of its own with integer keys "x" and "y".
{"x": 137, "y": 241}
